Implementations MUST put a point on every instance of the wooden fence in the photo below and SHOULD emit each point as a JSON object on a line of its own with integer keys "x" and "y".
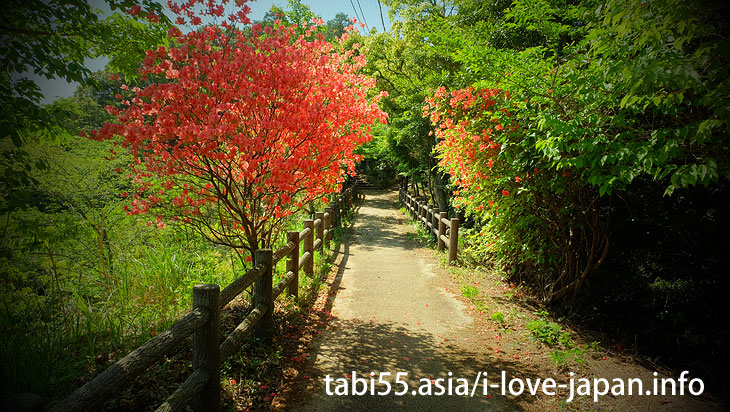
{"x": 446, "y": 231}
{"x": 202, "y": 389}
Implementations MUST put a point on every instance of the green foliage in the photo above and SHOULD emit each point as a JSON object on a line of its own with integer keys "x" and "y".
{"x": 565, "y": 352}
{"x": 671, "y": 72}
{"x": 600, "y": 94}
{"x": 406, "y": 68}
{"x": 378, "y": 164}
{"x": 573, "y": 355}
{"x": 563, "y": 358}
{"x": 54, "y": 40}
{"x": 549, "y": 333}
{"x": 296, "y": 12}
{"x": 608, "y": 192}
{"x": 469, "y": 292}
{"x": 82, "y": 281}
{"x": 335, "y": 27}
{"x": 498, "y": 317}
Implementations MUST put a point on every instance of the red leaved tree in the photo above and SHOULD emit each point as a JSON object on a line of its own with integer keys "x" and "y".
{"x": 240, "y": 128}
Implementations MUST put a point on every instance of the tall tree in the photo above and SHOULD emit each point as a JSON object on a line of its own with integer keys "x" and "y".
{"x": 335, "y": 27}
{"x": 405, "y": 64}
{"x": 245, "y": 129}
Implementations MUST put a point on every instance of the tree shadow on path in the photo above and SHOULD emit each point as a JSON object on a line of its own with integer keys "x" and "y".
{"x": 350, "y": 349}
{"x": 357, "y": 347}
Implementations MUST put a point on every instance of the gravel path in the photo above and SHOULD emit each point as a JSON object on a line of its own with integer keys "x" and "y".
{"x": 391, "y": 314}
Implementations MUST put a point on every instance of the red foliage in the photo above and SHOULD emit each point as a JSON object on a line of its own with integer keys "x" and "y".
{"x": 244, "y": 128}
{"x": 471, "y": 125}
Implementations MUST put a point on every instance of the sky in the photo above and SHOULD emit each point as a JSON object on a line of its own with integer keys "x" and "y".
{"x": 367, "y": 10}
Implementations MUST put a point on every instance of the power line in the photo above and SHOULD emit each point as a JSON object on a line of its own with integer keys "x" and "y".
{"x": 363, "y": 15}
{"x": 358, "y": 17}
{"x": 381, "y": 15}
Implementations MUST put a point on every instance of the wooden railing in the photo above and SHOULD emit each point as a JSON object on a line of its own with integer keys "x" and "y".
{"x": 445, "y": 230}
{"x": 202, "y": 389}
{"x": 346, "y": 201}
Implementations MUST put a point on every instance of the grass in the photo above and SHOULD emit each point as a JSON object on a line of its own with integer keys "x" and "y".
{"x": 549, "y": 333}
{"x": 498, "y": 317}
{"x": 565, "y": 352}
{"x": 55, "y": 340}
{"x": 50, "y": 342}
{"x": 473, "y": 295}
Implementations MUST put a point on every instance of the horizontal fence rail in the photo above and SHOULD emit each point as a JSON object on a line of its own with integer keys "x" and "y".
{"x": 201, "y": 390}
{"x": 443, "y": 229}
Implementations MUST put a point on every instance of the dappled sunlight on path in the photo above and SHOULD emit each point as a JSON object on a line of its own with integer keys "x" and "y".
{"x": 389, "y": 314}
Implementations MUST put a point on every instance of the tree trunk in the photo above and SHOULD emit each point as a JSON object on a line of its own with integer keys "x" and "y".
{"x": 440, "y": 191}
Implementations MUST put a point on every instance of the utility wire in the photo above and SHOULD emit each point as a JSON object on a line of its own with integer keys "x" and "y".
{"x": 358, "y": 17}
{"x": 381, "y": 15}
{"x": 363, "y": 16}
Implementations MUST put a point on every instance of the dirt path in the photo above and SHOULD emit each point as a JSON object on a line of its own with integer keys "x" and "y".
{"x": 393, "y": 308}
{"x": 390, "y": 314}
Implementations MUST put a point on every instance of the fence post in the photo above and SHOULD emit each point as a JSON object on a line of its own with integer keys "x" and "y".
{"x": 442, "y": 231}
{"x": 328, "y": 225}
{"x": 206, "y": 347}
{"x": 262, "y": 293}
{"x": 293, "y": 264}
{"x": 453, "y": 239}
{"x": 429, "y": 217}
{"x": 320, "y": 230}
{"x": 336, "y": 210}
{"x": 435, "y": 222}
{"x": 309, "y": 247}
